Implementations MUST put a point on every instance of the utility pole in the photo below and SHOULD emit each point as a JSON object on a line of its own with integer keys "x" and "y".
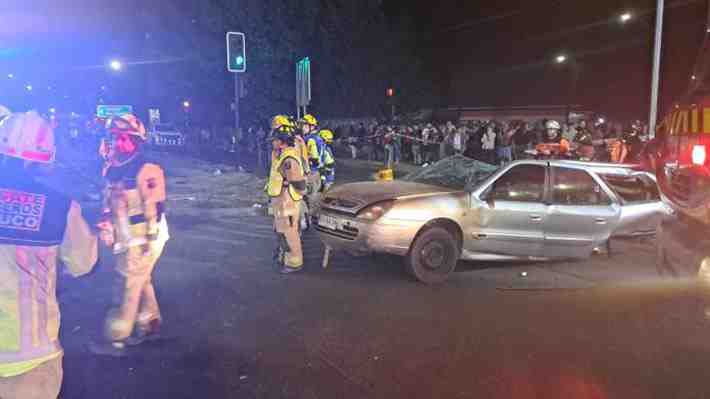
{"x": 653, "y": 114}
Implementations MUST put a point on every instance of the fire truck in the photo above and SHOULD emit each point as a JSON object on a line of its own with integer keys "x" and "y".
{"x": 682, "y": 165}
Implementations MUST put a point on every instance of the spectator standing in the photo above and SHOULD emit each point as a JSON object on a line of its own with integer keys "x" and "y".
{"x": 417, "y": 145}
{"x": 488, "y": 144}
{"x": 504, "y": 146}
{"x": 459, "y": 140}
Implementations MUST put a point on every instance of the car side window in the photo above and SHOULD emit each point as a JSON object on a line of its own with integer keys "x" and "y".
{"x": 576, "y": 187}
{"x": 633, "y": 189}
{"x": 522, "y": 183}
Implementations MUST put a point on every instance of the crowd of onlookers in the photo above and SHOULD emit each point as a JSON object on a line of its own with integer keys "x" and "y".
{"x": 494, "y": 142}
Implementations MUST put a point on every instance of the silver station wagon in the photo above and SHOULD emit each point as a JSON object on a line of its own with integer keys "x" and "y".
{"x": 459, "y": 208}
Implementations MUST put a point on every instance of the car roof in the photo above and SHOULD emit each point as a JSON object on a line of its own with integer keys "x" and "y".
{"x": 596, "y": 167}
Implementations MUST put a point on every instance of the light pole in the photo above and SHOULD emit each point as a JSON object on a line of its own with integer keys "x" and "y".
{"x": 653, "y": 113}
{"x": 576, "y": 70}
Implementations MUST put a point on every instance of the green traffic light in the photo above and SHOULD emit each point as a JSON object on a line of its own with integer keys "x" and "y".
{"x": 239, "y": 60}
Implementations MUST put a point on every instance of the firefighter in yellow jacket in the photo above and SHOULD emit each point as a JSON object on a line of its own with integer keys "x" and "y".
{"x": 39, "y": 226}
{"x": 285, "y": 187}
{"x": 134, "y": 226}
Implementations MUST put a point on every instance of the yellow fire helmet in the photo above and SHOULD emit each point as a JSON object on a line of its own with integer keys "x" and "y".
{"x": 281, "y": 122}
{"x": 326, "y": 135}
{"x": 310, "y": 119}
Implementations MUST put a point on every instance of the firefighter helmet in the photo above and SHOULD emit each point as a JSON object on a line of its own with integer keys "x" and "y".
{"x": 553, "y": 124}
{"x": 326, "y": 135}
{"x": 310, "y": 120}
{"x": 128, "y": 124}
{"x": 27, "y": 136}
{"x": 4, "y": 112}
{"x": 280, "y": 121}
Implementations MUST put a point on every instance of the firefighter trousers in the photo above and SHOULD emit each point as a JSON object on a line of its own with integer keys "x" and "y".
{"x": 138, "y": 302}
{"x": 289, "y": 235}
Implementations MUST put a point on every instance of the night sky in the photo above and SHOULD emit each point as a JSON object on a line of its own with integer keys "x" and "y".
{"x": 479, "y": 53}
{"x": 500, "y": 53}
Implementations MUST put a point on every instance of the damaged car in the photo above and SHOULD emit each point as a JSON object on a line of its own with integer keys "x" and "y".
{"x": 460, "y": 208}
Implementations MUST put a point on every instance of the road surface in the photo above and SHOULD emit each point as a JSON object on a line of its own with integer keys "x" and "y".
{"x": 603, "y": 328}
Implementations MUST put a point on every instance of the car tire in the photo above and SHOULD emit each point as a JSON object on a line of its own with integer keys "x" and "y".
{"x": 433, "y": 256}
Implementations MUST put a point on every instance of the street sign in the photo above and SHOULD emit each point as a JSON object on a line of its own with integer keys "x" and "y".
{"x": 303, "y": 84}
{"x": 154, "y": 116}
{"x": 107, "y": 111}
{"x": 236, "y": 52}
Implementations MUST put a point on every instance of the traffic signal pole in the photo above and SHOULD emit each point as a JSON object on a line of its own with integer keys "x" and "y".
{"x": 237, "y": 95}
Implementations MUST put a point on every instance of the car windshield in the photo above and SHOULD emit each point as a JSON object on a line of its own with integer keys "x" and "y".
{"x": 452, "y": 172}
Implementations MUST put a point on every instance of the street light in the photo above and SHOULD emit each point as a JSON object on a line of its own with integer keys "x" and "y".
{"x": 52, "y": 110}
{"x": 116, "y": 65}
{"x": 560, "y": 59}
{"x": 10, "y": 76}
{"x": 186, "y": 104}
{"x": 28, "y": 87}
{"x": 625, "y": 17}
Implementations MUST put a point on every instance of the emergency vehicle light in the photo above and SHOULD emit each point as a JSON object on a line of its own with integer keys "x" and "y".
{"x": 699, "y": 155}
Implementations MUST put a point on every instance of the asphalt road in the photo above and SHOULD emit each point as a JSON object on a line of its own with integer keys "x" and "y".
{"x": 604, "y": 328}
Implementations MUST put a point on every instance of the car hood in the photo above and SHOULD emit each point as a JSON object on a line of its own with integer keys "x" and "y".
{"x": 354, "y": 196}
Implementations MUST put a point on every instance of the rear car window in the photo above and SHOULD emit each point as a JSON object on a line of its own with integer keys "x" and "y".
{"x": 633, "y": 189}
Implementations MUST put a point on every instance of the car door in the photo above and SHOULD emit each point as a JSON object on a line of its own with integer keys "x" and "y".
{"x": 641, "y": 205}
{"x": 580, "y": 215}
{"x": 509, "y": 213}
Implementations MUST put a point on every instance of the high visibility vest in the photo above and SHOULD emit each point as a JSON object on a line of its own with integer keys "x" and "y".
{"x": 135, "y": 196}
{"x": 302, "y": 152}
{"x": 316, "y": 150}
{"x": 277, "y": 181}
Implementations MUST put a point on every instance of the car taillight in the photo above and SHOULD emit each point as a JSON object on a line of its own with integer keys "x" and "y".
{"x": 699, "y": 154}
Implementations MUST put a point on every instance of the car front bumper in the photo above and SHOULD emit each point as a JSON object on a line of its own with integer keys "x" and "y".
{"x": 360, "y": 237}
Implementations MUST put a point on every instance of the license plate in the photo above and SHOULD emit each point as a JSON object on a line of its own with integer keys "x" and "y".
{"x": 329, "y": 222}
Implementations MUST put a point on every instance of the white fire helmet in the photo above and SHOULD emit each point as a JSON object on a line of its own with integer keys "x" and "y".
{"x": 552, "y": 128}
{"x": 4, "y": 112}
{"x": 27, "y": 136}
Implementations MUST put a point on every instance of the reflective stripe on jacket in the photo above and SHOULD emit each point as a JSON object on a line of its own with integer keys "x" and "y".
{"x": 37, "y": 227}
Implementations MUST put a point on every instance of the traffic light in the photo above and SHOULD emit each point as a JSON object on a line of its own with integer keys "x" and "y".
{"x": 236, "y": 52}
{"x": 390, "y": 92}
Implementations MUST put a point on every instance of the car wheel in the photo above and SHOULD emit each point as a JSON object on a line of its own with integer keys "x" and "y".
{"x": 433, "y": 256}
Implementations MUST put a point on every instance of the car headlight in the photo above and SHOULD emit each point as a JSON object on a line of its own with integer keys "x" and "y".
{"x": 375, "y": 211}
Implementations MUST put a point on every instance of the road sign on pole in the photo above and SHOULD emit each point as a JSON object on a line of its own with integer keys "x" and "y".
{"x": 303, "y": 85}
{"x": 107, "y": 111}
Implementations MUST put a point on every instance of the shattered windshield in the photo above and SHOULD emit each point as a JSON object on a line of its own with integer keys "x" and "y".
{"x": 452, "y": 172}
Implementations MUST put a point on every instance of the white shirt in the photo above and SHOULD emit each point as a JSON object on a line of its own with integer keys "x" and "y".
{"x": 488, "y": 140}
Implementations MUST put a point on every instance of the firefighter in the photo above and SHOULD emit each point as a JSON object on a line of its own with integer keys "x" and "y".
{"x": 316, "y": 159}
{"x": 553, "y": 145}
{"x": 285, "y": 187}
{"x": 328, "y": 170}
{"x": 38, "y": 227}
{"x": 284, "y": 124}
{"x": 135, "y": 227}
